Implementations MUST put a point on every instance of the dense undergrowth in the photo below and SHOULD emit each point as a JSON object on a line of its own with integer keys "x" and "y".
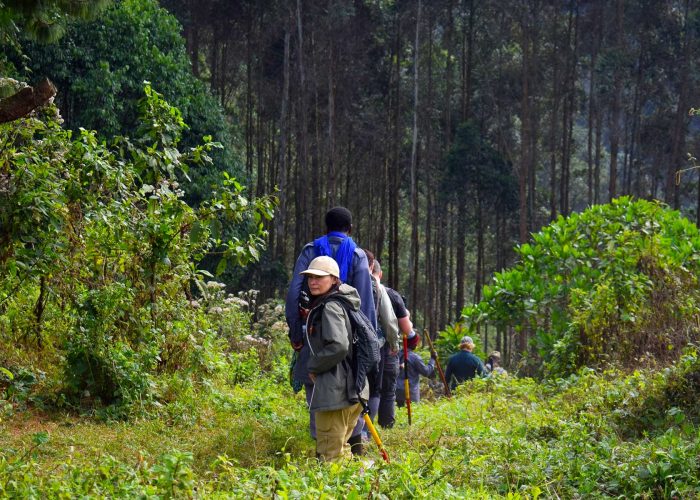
{"x": 103, "y": 307}
{"x": 592, "y": 434}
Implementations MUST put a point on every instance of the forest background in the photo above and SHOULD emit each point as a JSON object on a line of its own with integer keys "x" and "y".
{"x": 452, "y": 129}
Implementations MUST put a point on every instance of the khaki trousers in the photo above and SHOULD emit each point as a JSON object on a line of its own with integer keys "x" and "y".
{"x": 333, "y": 429}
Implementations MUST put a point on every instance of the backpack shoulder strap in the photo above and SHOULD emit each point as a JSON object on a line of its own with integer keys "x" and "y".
{"x": 380, "y": 292}
{"x": 344, "y": 303}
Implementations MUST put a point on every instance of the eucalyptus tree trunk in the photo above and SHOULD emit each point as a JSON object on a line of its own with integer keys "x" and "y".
{"x": 480, "y": 229}
{"x": 527, "y": 135}
{"x": 592, "y": 110}
{"x": 525, "y": 130}
{"x": 428, "y": 297}
{"x": 634, "y": 136}
{"x": 554, "y": 119}
{"x": 318, "y": 187}
{"x": 303, "y": 121}
{"x": 249, "y": 117}
{"x": 467, "y": 62}
{"x": 569, "y": 107}
{"x": 680, "y": 118}
{"x": 616, "y": 105}
{"x": 413, "y": 256}
{"x": 598, "y": 154}
{"x": 282, "y": 158}
{"x": 449, "y": 70}
{"x": 444, "y": 283}
{"x": 460, "y": 221}
{"x": 452, "y": 221}
{"x": 332, "y": 175}
{"x": 395, "y": 178}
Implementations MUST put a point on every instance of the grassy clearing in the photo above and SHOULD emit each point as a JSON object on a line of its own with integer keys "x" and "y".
{"x": 512, "y": 438}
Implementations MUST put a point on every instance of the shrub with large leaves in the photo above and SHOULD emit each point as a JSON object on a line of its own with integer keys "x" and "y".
{"x": 615, "y": 284}
{"x": 99, "y": 249}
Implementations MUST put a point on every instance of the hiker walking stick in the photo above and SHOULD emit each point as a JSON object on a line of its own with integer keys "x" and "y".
{"x": 406, "y": 385}
{"x": 375, "y": 435}
{"x": 433, "y": 353}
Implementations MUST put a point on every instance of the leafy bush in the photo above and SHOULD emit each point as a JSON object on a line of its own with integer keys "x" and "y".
{"x": 98, "y": 252}
{"x": 616, "y": 284}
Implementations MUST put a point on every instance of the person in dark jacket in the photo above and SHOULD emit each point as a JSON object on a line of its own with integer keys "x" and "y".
{"x": 463, "y": 365}
{"x": 352, "y": 263}
{"x": 387, "y": 408}
{"x": 416, "y": 368}
{"x": 382, "y": 400}
{"x": 334, "y": 400}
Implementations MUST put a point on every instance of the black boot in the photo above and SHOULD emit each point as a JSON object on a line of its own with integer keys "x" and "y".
{"x": 355, "y": 443}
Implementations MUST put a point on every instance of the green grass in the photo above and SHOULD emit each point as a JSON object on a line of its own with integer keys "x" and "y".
{"x": 510, "y": 438}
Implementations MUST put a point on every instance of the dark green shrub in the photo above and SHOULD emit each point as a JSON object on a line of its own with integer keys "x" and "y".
{"x": 99, "y": 67}
{"x": 102, "y": 359}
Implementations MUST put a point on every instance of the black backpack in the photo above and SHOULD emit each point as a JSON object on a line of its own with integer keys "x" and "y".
{"x": 365, "y": 344}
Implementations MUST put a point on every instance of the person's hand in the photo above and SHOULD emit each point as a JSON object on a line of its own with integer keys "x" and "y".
{"x": 297, "y": 346}
{"x": 312, "y": 376}
{"x": 433, "y": 355}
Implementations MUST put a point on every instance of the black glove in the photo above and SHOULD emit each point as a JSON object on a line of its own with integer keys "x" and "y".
{"x": 304, "y": 304}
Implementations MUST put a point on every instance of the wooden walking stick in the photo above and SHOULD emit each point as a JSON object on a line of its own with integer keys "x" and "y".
{"x": 433, "y": 353}
{"x": 406, "y": 385}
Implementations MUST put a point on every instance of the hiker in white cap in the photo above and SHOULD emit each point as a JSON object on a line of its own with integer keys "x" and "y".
{"x": 335, "y": 400}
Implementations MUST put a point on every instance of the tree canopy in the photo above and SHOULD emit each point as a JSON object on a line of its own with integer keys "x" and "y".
{"x": 100, "y": 66}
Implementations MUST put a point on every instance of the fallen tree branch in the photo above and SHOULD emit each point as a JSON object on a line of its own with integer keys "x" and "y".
{"x": 26, "y": 100}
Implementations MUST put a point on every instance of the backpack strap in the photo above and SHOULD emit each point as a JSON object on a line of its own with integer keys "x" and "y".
{"x": 345, "y": 304}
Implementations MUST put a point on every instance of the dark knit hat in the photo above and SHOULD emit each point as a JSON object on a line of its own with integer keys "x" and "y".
{"x": 339, "y": 219}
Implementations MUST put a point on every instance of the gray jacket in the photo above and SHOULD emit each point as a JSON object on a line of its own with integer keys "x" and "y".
{"x": 386, "y": 316}
{"x": 328, "y": 336}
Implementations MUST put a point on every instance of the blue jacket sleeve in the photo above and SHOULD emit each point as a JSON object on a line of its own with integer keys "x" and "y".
{"x": 362, "y": 282}
{"x": 291, "y": 310}
{"x": 425, "y": 370}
